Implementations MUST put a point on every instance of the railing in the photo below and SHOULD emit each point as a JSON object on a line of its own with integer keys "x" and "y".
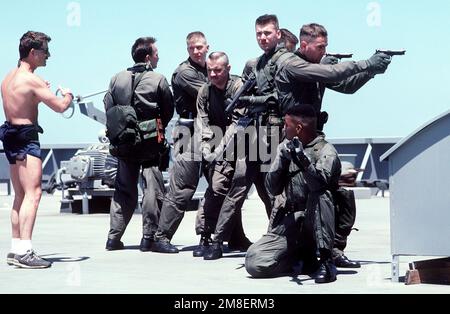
{"x": 364, "y": 153}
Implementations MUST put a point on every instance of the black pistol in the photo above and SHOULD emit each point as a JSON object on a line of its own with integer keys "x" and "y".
{"x": 340, "y": 55}
{"x": 391, "y": 52}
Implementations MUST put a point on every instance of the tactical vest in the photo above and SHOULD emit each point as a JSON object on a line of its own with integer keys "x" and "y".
{"x": 265, "y": 78}
{"x": 269, "y": 71}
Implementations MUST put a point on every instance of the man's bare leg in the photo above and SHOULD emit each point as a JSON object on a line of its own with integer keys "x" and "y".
{"x": 18, "y": 199}
{"x": 15, "y": 226}
{"x": 30, "y": 176}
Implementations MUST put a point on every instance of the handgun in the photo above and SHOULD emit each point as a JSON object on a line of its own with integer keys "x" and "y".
{"x": 391, "y": 52}
{"x": 340, "y": 55}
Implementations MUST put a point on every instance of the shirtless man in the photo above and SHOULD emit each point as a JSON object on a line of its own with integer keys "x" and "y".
{"x": 22, "y": 91}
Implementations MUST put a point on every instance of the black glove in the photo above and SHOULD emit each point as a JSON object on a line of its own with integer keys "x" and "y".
{"x": 378, "y": 63}
{"x": 164, "y": 156}
{"x": 298, "y": 156}
{"x": 329, "y": 60}
{"x": 295, "y": 147}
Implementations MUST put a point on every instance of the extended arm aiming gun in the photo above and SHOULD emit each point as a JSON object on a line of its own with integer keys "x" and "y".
{"x": 340, "y": 55}
{"x": 391, "y": 52}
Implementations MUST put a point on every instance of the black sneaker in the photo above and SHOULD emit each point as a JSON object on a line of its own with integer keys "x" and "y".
{"x": 11, "y": 258}
{"x": 31, "y": 260}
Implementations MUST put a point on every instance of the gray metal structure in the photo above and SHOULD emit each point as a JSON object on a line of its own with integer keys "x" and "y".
{"x": 362, "y": 152}
{"x": 419, "y": 170}
{"x": 5, "y": 176}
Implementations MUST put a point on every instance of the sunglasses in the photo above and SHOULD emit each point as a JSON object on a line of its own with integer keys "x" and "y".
{"x": 44, "y": 50}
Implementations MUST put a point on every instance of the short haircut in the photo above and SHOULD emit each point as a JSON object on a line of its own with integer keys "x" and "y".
{"x": 32, "y": 40}
{"x": 287, "y": 35}
{"x": 304, "y": 113}
{"x": 310, "y": 32}
{"x": 266, "y": 19}
{"x": 196, "y": 34}
{"x": 216, "y": 55}
{"x": 141, "y": 48}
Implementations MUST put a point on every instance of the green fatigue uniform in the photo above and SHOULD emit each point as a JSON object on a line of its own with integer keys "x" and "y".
{"x": 211, "y": 104}
{"x": 186, "y": 170}
{"x": 249, "y": 172}
{"x": 187, "y": 166}
{"x": 152, "y": 88}
{"x": 299, "y": 81}
{"x": 303, "y": 216}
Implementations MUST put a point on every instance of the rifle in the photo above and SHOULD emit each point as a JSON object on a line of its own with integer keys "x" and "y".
{"x": 340, "y": 55}
{"x": 254, "y": 101}
{"x": 391, "y": 52}
{"x": 255, "y": 104}
{"x": 248, "y": 85}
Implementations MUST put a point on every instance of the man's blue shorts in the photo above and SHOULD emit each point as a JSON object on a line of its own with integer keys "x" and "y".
{"x": 20, "y": 141}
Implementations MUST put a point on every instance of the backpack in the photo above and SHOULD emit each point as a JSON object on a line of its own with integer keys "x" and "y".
{"x": 129, "y": 137}
{"x": 121, "y": 124}
{"x": 345, "y": 211}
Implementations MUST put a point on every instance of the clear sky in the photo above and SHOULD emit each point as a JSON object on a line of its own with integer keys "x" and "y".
{"x": 91, "y": 41}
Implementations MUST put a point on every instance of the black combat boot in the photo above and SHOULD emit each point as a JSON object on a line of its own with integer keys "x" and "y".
{"x": 114, "y": 245}
{"x": 326, "y": 273}
{"x": 342, "y": 261}
{"x": 163, "y": 245}
{"x": 147, "y": 242}
{"x": 238, "y": 240}
{"x": 200, "y": 250}
{"x": 214, "y": 251}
